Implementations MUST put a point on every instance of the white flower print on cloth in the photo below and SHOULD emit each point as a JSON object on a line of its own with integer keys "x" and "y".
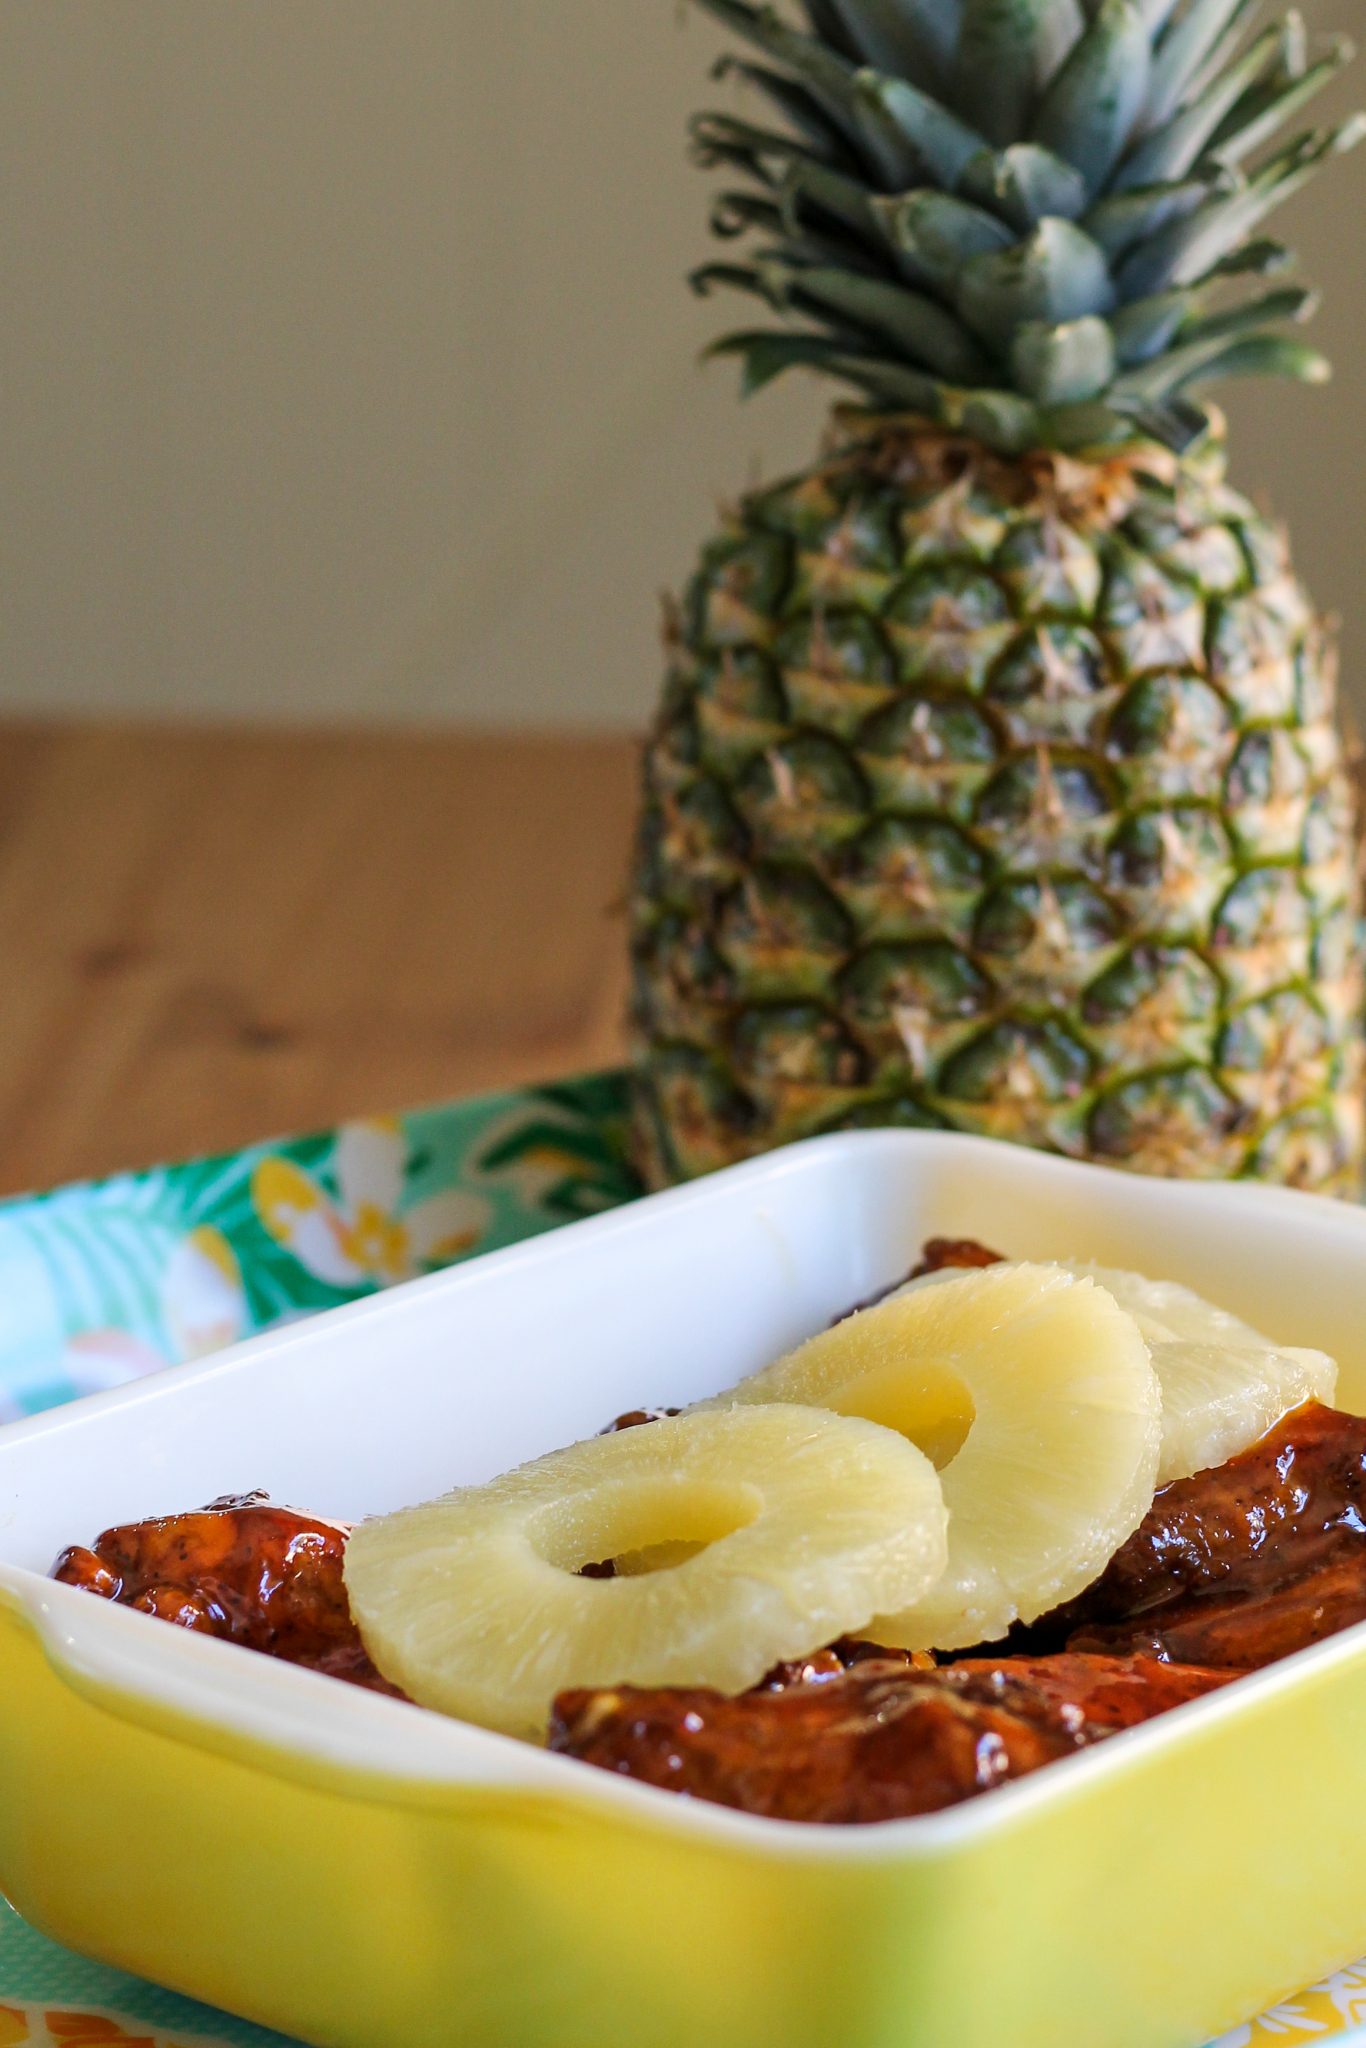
{"x": 1346, "y": 1993}
{"x": 1280, "y": 2023}
{"x": 365, "y": 1236}
{"x": 1334, "y": 2010}
{"x": 29, "y": 2026}
{"x": 203, "y": 1308}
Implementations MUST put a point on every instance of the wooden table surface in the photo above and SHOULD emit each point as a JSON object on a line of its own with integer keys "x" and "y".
{"x": 208, "y": 937}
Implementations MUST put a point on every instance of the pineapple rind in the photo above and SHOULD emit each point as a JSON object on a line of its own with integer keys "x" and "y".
{"x": 1067, "y": 858}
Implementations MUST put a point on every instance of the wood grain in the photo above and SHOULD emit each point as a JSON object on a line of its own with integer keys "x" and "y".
{"x": 208, "y": 937}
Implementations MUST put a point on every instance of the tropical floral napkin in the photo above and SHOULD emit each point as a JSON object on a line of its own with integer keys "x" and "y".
{"x": 102, "y": 1283}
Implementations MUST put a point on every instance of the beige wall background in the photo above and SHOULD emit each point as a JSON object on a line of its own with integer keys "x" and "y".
{"x": 348, "y": 373}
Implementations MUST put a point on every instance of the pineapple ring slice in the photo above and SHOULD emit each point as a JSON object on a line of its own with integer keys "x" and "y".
{"x": 809, "y": 1524}
{"x": 1224, "y": 1384}
{"x": 1035, "y": 1395}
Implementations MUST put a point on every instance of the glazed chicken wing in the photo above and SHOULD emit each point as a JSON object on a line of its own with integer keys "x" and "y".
{"x": 259, "y": 1575}
{"x": 880, "y": 1741}
{"x": 1243, "y": 1564}
{"x": 939, "y": 1254}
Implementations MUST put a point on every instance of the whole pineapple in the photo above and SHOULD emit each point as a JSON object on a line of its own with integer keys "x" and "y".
{"x": 998, "y": 784}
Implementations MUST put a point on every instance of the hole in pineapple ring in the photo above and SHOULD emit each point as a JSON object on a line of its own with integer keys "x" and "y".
{"x": 936, "y": 1414}
{"x": 643, "y": 1526}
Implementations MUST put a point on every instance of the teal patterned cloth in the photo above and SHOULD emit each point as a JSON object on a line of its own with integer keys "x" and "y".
{"x": 103, "y": 1283}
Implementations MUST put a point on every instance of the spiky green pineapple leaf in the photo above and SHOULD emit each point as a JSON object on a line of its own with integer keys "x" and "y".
{"x": 1036, "y": 194}
{"x": 914, "y": 324}
{"x": 830, "y": 193}
{"x": 1058, "y": 274}
{"x": 1184, "y": 252}
{"x": 1221, "y": 355}
{"x": 826, "y": 22}
{"x": 792, "y": 100}
{"x": 916, "y": 133}
{"x": 1089, "y": 111}
{"x": 1171, "y": 316}
{"x": 1156, "y": 14}
{"x": 725, "y": 141}
{"x": 905, "y": 38}
{"x": 1147, "y": 327}
{"x": 736, "y": 277}
{"x": 939, "y": 235}
{"x": 1171, "y": 151}
{"x": 1065, "y": 364}
{"x": 1292, "y": 303}
{"x": 737, "y": 213}
{"x": 1264, "y": 257}
{"x": 1257, "y": 117}
{"x": 1184, "y": 51}
{"x": 765, "y": 354}
{"x": 1127, "y": 219}
{"x": 1024, "y": 184}
{"x": 1008, "y": 51}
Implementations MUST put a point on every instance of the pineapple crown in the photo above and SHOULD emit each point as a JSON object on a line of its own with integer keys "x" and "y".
{"x": 1033, "y": 221}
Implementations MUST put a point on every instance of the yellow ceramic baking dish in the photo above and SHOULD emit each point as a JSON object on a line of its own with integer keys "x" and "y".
{"x": 359, "y": 1873}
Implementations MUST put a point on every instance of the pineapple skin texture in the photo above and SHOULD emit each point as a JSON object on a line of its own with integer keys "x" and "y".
{"x": 1005, "y": 796}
